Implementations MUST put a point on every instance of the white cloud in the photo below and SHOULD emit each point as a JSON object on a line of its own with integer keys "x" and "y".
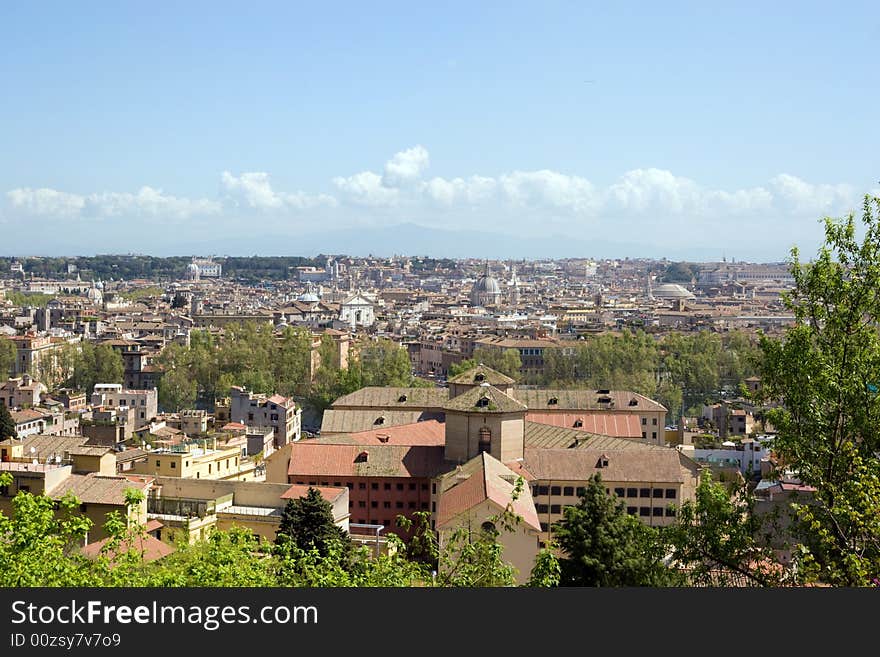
{"x": 146, "y": 202}
{"x": 646, "y": 203}
{"x": 45, "y": 201}
{"x": 802, "y": 197}
{"x": 405, "y": 167}
{"x": 254, "y": 188}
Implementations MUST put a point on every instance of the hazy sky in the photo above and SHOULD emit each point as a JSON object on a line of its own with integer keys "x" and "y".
{"x": 731, "y": 127}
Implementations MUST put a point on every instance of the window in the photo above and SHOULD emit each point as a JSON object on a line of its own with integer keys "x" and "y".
{"x": 387, "y": 486}
{"x": 545, "y": 527}
{"x": 632, "y": 492}
{"x": 543, "y": 490}
{"x": 158, "y": 463}
{"x": 424, "y": 486}
{"x": 670, "y": 512}
{"x": 654, "y": 421}
{"x": 433, "y": 507}
{"x": 186, "y": 464}
{"x": 386, "y": 505}
{"x": 658, "y": 492}
{"x": 619, "y": 492}
{"x": 337, "y": 484}
{"x": 349, "y": 485}
{"x": 398, "y": 505}
{"x": 555, "y": 508}
{"x": 580, "y": 491}
{"x": 644, "y": 434}
{"x": 399, "y": 486}
{"x": 568, "y": 490}
{"x": 173, "y": 465}
{"x": 542, "y": 508}
{"x": 250, "y": 416}
{"x": 411, "y": 505}
{"x": 670, "y": 493}
{"x": 274, "y": 417}
{"x": 350, "y": 504}
{"x": 644, "y": 421}
{"x": 644, "y": 492}
{"x": 374, "y": 486}
{"x": 362, "y": 504}
{"x": 555, "y": 490}
{"x": 412, "y": 486}
{"x": 644, "y": 511}
{"x": 374, "y": 504}
{"x": 653, "y": 435}
{"x": 209, "y": 468}
{"x": 632, "y": 510}
{"x": 657, "y": 511}
{"x": 424, "y": 506}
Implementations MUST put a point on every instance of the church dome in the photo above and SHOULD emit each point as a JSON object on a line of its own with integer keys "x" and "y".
{"x": 671, "y": 291}
{"x": 95, "y": 296}
{"x": 486, "y": 290}
{"x": 487, "y": 284}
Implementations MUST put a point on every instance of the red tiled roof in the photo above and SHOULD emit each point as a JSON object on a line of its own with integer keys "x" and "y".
{"x": 460, "y": 498}
{"x": 151, "y": 548}
{"x": 231, "y": 426}
{"x": 429, "y": 432}
{"x": 484, "y": 478}
{"x": 381, "y": 460}
{"x": 619, "y": 425}
{"x": 329, "y": 493}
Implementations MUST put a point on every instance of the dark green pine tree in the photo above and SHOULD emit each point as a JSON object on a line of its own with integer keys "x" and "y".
{"x": 307, "y": 522}
{"x": 7, "y": 424}
{"x": 604, "y": 546}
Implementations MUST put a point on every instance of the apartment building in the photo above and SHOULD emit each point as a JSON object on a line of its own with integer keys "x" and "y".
{"x": 112, "y": 395}
{"x": 255, "y": 410}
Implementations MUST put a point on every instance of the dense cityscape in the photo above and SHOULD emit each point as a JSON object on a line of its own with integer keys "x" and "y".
{"x": 300, "y": 297}
{"x": 403, "y": 389}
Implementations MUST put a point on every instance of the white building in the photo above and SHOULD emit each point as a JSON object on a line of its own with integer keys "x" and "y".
{"x": 357, "y": 311}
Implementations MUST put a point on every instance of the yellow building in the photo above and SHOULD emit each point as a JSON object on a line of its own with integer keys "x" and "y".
{"x": 196, "y": 461}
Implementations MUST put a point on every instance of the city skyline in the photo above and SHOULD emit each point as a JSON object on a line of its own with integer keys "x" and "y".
{"x": 552, "y": 131}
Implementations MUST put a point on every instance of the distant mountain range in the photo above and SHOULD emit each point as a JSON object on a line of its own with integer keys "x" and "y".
{"x": 403, "y": 239}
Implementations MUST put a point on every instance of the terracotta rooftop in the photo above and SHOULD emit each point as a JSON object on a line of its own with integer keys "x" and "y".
{"x": 308, "y": 459}
{"x": 660, "y": 465}
{"x": 585, "y": 400}
{"x": 297, "y": 491}
{"x": 394, "y": 398}
{"x": 96, "y": 489}
{"x": 480, "y": 479}
{"x": 347, "y": 420}
{"x": 481, "y": 374}
{"x": 430, "y": 432}
{"x": 151, "y": 548}
{"x": 625, "y": 425}
{"x": 484, "y": 399}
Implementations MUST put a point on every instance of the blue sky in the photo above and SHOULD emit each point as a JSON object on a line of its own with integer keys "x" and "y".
{"x": 696, "y": 127}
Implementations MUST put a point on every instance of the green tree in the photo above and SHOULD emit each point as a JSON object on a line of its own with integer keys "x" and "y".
{"x": 307, "y": 523}
{"x": 7, "y": 424}
{"x": 38, "y": 542}
{"x": 506, "y": 361}
{"x": 718, "y": 538}
{"x": 604, "y": 546}
{"x": 457, "y": 368}
{"x": 825, "y": 373}
{"x": 7, "y": 357}
{"x": 178, "y": 387}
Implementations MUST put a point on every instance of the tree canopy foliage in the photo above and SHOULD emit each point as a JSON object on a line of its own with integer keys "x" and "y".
{"x": 825, "y": 376}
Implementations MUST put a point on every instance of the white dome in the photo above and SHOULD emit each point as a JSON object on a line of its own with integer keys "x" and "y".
{"x": 671, "y": 291}
{"x": 94, "y": 296}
